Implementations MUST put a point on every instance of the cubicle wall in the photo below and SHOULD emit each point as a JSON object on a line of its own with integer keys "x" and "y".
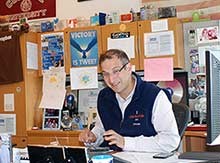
{"x": 198, "y": 36}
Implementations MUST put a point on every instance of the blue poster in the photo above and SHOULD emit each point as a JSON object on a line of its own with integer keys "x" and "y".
{"x": 84, "y": 48}
{"x": 52, "y": 47}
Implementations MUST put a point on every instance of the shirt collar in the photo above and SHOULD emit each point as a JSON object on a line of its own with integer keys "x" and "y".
{"x": 131, "y": 94}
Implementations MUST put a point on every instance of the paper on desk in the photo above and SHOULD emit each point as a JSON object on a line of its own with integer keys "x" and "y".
{"x": 126, "y": 156}
{"x": 216, "y": 141}
{"x": 143, "y": 157}
{"x": 20, "y": 155}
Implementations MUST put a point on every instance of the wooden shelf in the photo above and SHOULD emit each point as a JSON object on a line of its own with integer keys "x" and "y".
{"x": 46, "y": 137}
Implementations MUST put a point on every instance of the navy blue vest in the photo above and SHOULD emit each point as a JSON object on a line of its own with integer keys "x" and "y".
{"x": 137, "y": 118}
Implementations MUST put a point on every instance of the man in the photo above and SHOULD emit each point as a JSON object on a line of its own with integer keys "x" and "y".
{"x": 132, "y": 114}
{"x": 4, "y": 152}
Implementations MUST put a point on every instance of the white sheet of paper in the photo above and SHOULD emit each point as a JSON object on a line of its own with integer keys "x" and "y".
{"x": 83, "y": 78}
{"x": 53, "y": 79}
{"x": 125, "y": 44}
{"x": 216, "y": 141}
{"x": 159, "y": 25}
{"x": 9, "y": 102}
{"x": 143, "y": 157}
{"x": 53, "y": 99}
{"x": 32, "y": 56}
{"x": 88, "y": 99}
{"x": 159, "y": 43}
{"x": 19, "y": 153}
{"x": 201, "y": 50}
{"x": 54, "y": 91}
{"x": 8, "y": 123}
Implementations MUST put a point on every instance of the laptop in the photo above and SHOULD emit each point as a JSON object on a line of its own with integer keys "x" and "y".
{"x": 76, "y": 154}
{"x": 63, "y": 154}
{"x": 45, "y": 154}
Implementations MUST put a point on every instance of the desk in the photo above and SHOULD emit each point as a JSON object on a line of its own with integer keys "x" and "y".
{"x": 143, "y": 157}
{"x": 194, "y": 141}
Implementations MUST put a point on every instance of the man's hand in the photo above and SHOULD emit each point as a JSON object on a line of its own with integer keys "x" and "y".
{"x": 86, "y": 136}
{"x": 114, "y": 138}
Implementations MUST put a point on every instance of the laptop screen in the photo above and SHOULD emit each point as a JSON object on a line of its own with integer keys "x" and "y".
{"x": 44, "y": 154}
{"x": 56, "y": 154}
{"x": 76, "y": 154}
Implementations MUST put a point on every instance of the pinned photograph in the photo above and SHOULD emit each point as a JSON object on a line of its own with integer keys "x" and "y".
{"x": 51, "y": 119}
{"x": 207, "y": 34}
{"x": 194, "y": 61}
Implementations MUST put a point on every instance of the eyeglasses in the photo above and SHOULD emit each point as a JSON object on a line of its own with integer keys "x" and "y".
{"x": 115, "y": 72}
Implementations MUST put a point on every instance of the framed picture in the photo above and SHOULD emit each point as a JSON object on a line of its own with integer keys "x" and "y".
{"x": 51, "y": 119}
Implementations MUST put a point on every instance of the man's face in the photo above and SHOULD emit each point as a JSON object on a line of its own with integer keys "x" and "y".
{"x": 116, "y": 75}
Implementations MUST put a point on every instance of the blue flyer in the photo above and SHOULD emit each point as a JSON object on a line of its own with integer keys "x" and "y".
{"x": 52, "y": 47}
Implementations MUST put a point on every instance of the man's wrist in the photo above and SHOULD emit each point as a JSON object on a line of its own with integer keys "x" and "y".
{"x": 123, "y": 142}
{"x": 129, "y": 143}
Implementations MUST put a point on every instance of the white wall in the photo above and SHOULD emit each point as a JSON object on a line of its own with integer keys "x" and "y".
{"x": 71, "y": 8}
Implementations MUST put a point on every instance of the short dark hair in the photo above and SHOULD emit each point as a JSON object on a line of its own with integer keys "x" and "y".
{"x": 111, "y": 53}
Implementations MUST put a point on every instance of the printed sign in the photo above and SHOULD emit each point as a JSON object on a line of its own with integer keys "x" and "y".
{"x": 84, "y": 48}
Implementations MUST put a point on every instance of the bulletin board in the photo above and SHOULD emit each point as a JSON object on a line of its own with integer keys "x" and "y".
{"x": 195, "y": 44}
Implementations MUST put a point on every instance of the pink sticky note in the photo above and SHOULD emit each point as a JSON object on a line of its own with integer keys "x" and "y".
{"x": 158, "y": 69}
